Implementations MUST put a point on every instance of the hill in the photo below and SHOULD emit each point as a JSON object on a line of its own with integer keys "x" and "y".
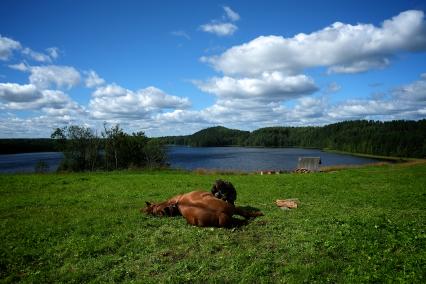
{"x": 209, "y": 137}
{"x": 398, "y": 138}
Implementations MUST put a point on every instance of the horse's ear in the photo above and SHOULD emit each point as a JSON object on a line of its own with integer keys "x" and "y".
{"x": 148, "y": 203}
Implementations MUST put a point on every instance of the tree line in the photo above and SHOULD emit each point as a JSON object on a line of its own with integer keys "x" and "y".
{"x": 85, "y": 150}
{"x": 26, "y": 145}
{"x": 400, "y": 138}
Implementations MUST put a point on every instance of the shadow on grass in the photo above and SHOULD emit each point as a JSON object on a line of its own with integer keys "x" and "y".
{"x": 240, "y": 222}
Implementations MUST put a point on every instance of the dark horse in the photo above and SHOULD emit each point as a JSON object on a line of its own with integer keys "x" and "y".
{"x": 200, "y": 208}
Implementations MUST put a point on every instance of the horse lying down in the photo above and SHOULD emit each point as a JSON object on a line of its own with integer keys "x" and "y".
{"x": 200, "y": 208}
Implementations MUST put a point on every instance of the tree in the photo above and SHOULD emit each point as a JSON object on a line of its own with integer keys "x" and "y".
{"x": 80, "y": 146}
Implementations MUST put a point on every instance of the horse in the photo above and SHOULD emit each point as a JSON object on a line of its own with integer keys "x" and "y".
{"x": 201, "y": 209}
{"x": 224, "y": 190}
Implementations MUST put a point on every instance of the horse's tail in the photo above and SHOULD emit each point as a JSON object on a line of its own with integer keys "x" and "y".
{"x": 247, "y": 213}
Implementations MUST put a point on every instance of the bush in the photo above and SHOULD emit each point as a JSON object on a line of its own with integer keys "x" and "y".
{"x": 85, "y": 151}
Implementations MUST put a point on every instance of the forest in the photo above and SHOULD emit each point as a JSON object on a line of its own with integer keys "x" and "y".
{"x": 399, "y": 138}
{"x": 26, "y": 145}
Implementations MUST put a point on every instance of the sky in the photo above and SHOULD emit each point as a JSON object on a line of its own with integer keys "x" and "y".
{"x": 176, "y": 67}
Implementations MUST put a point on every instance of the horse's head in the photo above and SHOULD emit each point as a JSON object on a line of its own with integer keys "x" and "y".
{"x": 161, "y": 209}
{"x": 224, "y": 190}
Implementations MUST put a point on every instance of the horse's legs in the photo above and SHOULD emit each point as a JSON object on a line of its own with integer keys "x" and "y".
{"x": 225, "y": 220}
{"x": 247, "y": 214}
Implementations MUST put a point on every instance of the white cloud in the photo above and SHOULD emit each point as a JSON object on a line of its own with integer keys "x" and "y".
{"x": 115, "y": 102}
{"x": 110, "y": 90}
{"x": 57, "y": 108}
{"x": 415, "y": 91}
{"x": 29, "y": 97}
{"x": 37, "y": 126}
{"x": 180, "y": 116}
{"x": 181, "y": 33}
{"x": 45, "y": 77}
{"x": 53, "y": 52}
{"x": 360, "y": 66}
{"x": 37, "y": 56}
{"x": 224, "y": 27}
{"x": 269, "y": 87}
{"x": 7, "y": 46}
{"x": 361, "y": 109}
{"x": 231, "y": 14}
{"x": 342, "y": 47}
{"x": 20, "y": 67}
{"x": 405, "y": 102}
{"x": 220, "y": 29}
{"x": 16, "y": 93}
{"x": 93, "y": 79}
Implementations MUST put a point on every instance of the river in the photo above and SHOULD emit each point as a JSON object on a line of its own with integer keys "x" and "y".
{"x": 222, "y": 158}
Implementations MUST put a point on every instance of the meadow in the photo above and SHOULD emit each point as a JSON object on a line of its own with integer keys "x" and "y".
{"x": 364, "y": 224}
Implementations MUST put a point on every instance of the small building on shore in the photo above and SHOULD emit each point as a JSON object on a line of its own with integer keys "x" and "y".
{"x": 311, "y": 164}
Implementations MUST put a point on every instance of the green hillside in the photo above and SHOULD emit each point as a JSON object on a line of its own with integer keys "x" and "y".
{"x": 392, "y": 138}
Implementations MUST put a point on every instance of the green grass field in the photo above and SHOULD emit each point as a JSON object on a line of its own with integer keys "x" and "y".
{"x": 355, "y": 225}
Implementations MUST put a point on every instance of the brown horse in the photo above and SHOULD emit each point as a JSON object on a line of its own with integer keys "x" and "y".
{"x": 200, "y": 208}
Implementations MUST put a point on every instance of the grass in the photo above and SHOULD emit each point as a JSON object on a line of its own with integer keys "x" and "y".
{"x": 392, "y": 159}
{"x": 355, "y": 225}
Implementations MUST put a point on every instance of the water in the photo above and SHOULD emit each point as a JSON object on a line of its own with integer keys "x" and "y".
{"x": 26, "y": 162}
{"x": 253, "y": 159}
{"x": 190, "y": 158}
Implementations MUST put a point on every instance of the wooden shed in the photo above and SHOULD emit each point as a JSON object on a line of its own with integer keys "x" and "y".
{"x": 309, "y": 163}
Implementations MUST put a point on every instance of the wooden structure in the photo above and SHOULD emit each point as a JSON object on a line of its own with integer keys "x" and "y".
{"x": 311, "y": 164}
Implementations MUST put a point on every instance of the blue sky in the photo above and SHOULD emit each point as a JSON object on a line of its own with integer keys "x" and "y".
{"x": 175, "y": 67}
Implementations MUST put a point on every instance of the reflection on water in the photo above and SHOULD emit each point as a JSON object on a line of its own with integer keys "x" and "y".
{"x": 224, "y": 158}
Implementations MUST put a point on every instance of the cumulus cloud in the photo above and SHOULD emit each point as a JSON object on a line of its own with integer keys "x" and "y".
{"x": 181, "y": 116}
{"x": 360, "y": 66}
{"x": 269, "y": 86}
{"x": 263, "y": 74}
{"x": 16, "y": 93}
{"x": 45, "y": 77}
{"x": 415, "y": 91}
{"x": 7, "y": 46}
{"x": 93, "y": 79}
{"x": 405, "y": 102}
{"x": 224, "y": 27}
{"x": 341, "y": 47}
{"x": 361, "y": 109}
{"x": 113, "y": 101}
{"x": 37, "y": 126}
{"x": 37, "y": 56}
{"x": 29, "y": 97}
{"x": 17, "y": 127}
